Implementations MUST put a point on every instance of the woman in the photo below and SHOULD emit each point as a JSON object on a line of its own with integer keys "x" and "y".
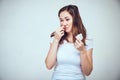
{"x": 70, "y": 56}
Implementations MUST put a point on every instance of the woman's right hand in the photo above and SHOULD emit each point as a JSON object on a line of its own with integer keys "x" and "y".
{"x": 51, "y": 58}
{"x": 59, "y": 33}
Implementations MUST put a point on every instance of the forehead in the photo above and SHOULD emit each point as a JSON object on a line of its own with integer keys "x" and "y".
{"x": 65, "y": 14}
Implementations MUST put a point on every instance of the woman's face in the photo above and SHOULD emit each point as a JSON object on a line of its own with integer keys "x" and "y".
{"x": 66, "y": 21}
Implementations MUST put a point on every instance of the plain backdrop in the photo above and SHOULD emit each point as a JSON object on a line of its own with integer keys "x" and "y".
{"x": 25, "y": 27}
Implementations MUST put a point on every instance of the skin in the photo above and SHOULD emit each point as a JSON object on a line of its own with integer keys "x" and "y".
{"x": 66, "y": 22}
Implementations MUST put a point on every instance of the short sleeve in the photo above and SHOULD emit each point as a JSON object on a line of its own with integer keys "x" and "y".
{"x": 89, "y": 43}
{"x": 51, "y": 39}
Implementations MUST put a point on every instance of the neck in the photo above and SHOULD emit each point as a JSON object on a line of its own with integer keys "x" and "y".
{"x": 70, "y": 37}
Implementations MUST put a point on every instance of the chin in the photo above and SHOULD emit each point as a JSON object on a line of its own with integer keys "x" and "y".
{"x": 67, "y": 31}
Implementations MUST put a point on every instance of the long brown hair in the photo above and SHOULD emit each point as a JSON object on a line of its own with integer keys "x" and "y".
{"x": 78, "y": 27}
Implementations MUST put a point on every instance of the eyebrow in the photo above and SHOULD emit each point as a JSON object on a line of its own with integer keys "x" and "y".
{"x": 65, "y": 17}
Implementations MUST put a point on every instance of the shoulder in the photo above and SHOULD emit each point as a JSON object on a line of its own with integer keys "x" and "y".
{"x": 89, "y": 41}
{"x": 51, "y": 39}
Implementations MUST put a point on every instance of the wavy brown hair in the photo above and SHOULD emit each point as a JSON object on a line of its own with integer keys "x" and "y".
{"x": 78, "y": 27}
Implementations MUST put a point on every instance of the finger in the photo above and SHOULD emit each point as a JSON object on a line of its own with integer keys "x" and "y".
{"x": 62, "y": 30}
{"x": 79, "y": 43}
{"x": 63, "y": 27}
{"x": 62, "y": 33}
{"x": 78, "y": 40}
{"x": 76, "y": 45}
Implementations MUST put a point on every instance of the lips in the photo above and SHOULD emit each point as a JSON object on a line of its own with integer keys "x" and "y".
{"x": 65, "y": 27}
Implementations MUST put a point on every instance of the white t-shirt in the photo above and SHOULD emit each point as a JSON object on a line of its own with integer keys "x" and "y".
{"x": 68, "y": 62}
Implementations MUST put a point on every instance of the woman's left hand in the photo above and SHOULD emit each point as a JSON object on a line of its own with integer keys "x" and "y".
{"x": 79, "y": 45}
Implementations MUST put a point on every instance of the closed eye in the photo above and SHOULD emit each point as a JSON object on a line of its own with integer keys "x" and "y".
{"x": 67, "y": 19}
{"x": 61, "y": 20}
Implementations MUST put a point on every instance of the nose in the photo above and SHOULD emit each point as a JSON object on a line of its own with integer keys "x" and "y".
{"x": 64, "y": 23}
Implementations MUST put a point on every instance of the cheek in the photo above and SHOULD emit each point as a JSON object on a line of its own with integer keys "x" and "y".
{"x": 69, "y": 27}
{"x": 61, "y": 23}
{"x": 70, "y": 24}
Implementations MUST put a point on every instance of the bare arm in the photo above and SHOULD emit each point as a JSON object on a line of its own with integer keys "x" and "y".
{"x": 85, "y": 57}
{"x": 86, "y": 61}
{"x": 52, "y": 54}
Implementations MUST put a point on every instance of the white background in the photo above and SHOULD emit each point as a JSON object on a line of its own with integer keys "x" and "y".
{"x": 25, "y": 26}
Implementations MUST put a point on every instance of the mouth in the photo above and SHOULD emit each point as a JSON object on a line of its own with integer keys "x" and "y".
{"x": 65, "y": 27}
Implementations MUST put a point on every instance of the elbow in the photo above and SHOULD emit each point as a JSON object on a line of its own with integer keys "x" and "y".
{"x": 48, "y": 66}
{"x": 87, "y": 73}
